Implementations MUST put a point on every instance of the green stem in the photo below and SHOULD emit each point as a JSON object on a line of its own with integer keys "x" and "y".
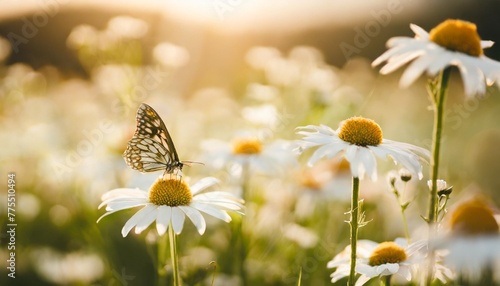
{"x": 436, "y": 146}
{"x": 242, "y": 242}
{"x": 405, "y": 225}
{"x": 354, "y": 228}
{"x": 439, "y": 93}
{"x": 388, "y": 280}
{"x": 173, "y": 255}
{"x": 403, "y": 209}
{"x": 161, "y": 275}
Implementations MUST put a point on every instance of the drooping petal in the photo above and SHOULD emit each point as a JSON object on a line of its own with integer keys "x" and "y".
{"x": 195, "y": 216}
{"x": 122, "y": 193}
{"x": 146, "y": 221}
{"x": 369, "y": 162}
{"x": 203, "y": 184}
{"x": 125, "y": 204}
{"x": 163, "y": 220}
{"x": 210, "y": 210}
{"x": 341, "y": 272}
{"x": 177, "y": 218}
{"x": 328, "y": 150}
{"x": 405, "y": 272}
{"x": 387, "y": 269}
{"x": 357, "y": 168}
{"x": 419, "y": 32}
{"x": 415, "y": 70}
{"x": 136, "y": 218}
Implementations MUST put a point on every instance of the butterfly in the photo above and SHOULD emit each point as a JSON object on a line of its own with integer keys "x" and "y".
{"x": 151, "y": 148}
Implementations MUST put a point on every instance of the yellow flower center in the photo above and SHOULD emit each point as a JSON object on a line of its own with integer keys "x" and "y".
{"x": 360, "y": 131}
{"x": 457, "y": 35}
{"x": 473, "y": 218}
{"x": 387, "y": 252}
{"x": 170, "y": 192}
{"x": 247, "y": 147}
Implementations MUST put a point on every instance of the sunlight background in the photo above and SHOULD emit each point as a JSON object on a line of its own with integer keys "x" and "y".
{"x": 74, "y": 72}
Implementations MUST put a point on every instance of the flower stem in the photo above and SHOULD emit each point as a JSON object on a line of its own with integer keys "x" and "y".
{"x": 161, "y": 275}
{"x": 354, "y": 228}
{"x": 405, "y": 225}
{"x": 241, "y": 239}
{"x": 439, "y": 96}
{"x": 388, "y": 280}
{"x": 173, "y": 255}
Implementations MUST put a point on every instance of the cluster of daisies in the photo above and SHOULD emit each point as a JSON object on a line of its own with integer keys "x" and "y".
{"x": 359, "y": 141}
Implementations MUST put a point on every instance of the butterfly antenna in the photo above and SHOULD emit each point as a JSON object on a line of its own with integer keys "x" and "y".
{"x": 189, "y": 163}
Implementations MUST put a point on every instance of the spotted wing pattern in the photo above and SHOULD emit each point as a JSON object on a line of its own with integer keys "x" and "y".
{"x": 151, "y": 148}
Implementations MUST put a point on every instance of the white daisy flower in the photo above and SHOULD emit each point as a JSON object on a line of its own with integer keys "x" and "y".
{"x": 168, "y": 202}
{"x": 451, "y": 43}
{"x": 271, "y": 158}
{"x": 378, "y": 259}
{"x": 472, "y": 245}
{"x": 360, "y": 140}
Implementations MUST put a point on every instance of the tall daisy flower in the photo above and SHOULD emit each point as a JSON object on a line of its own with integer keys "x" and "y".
{"x": 473, "y": 243}
{"x": 359, "y": 140}
{"x": 379, "y": 260}
{"x": 451, "y": 43}
{"x": 169, "y": 202}
{"x": 251, "y": 153}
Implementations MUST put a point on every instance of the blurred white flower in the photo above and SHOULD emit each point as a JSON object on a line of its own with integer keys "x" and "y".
{"x": 306, "y": 57}
{"x": 259, "y": 57}
{"x": 82, "y": 35}
{"x": 5, "y": 49}
{"x": 324, "y": 182}
{"x": 451, "y": 43}
{"x": 265, "y": 115}
{"x": 67, "y": 269}
{"x": 262, "y": 92}
{"x": 283, "y": 72}
{"x": 472, "y": 243}
{"x": 359, "y": 141}
{"x": 251, "y": 152}
{"x": 171, "y": 55}
{"x": 127, "y": 27}
{"x": 378, "y": 259}
{"x": 168, "y": 202}
{"x": 304, "y": 237}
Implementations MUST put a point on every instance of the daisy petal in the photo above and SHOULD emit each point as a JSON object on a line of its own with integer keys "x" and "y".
{"x": 146, "y": 221}
{"x": 213, "y": 211}
{"x": 177, "y": 220}
{"x": 163, "y": 220}
{"x": 203, "y": 184}
{"x": 195, "y": 216}
{"x": 136, "y": 218}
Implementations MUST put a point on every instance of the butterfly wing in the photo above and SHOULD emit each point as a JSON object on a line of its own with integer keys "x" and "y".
{"x": 151, "y": 148}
